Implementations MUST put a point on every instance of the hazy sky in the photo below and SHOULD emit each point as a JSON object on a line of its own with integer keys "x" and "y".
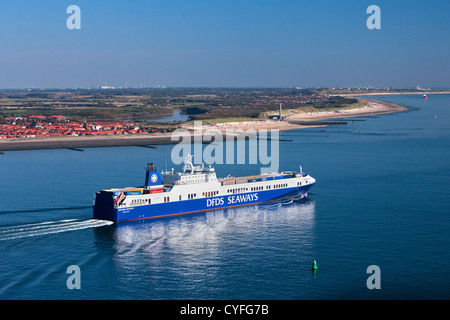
{"x": 231, "y": 43}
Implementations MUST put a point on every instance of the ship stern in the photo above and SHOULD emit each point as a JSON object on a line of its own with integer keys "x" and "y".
{"x": 104, "y": 208}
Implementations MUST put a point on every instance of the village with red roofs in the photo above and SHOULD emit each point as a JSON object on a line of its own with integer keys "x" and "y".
{"x": 57, "y": 125}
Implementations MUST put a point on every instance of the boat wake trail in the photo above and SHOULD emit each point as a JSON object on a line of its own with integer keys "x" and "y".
{"x": 44, "y": 228}
{"x": 44, "y": 209}
{"x": 277, "y": 204}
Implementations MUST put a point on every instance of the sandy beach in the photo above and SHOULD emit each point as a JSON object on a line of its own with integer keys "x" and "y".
{"x": 308, "y": 119}
{"x": 294, "y": 121}
{"x": 374, "y": 107}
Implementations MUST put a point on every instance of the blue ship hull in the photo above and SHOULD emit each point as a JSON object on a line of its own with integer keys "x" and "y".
{"x": 104, "y": 208}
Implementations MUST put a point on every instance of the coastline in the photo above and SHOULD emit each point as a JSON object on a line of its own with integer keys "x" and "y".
{"x": 390, "y": 93}
{"x": 291, "y": 122}
{"x": 311, "y": 119}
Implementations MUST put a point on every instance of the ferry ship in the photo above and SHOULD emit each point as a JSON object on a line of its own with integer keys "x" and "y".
{"x": 195, "y": 189}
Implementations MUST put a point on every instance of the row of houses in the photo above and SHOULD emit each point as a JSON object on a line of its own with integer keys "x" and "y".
{"x": 32, "y": 127}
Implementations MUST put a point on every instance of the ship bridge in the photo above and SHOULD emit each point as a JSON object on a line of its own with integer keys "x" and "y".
{"x": 191, "y": 174}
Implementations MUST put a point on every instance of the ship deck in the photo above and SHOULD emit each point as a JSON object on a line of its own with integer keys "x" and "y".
{"x": 254, "y": 178}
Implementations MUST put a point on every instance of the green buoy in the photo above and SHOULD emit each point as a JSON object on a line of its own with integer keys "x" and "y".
{"x": 314, "y": 266}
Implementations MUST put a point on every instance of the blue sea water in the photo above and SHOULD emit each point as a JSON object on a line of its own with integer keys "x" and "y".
{"x": 382, "y": 198}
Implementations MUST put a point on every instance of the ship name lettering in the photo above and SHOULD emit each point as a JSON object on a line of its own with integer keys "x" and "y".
{"x": 243, "y": 198}
{"x": 214, "y": 202}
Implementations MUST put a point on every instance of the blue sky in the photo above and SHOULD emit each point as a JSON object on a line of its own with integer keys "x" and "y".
{"x": 229, "y": 43}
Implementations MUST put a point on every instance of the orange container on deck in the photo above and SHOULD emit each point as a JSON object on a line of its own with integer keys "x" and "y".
{"x": 157, "y": 191}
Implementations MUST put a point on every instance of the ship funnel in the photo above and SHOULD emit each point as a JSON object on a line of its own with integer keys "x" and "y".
{"x": 152, "y": 177}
